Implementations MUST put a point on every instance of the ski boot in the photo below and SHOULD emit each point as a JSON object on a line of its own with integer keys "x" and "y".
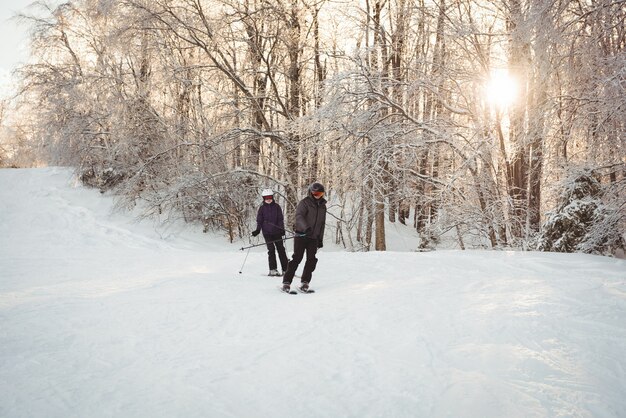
{"x": 304, "y": 288}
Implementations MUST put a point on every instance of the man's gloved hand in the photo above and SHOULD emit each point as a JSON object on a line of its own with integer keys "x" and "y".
{"x": 320, "y": 243}
{"x": 256, "y": 232}
{"x": 282, "y": 232}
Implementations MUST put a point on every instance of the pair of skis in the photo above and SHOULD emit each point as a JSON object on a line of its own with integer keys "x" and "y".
{"x": 293, "y": 292}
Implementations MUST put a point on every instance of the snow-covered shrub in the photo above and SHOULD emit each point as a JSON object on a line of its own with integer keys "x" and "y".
{"x": 582, "y": 222}
{"x": 102, "y": 178}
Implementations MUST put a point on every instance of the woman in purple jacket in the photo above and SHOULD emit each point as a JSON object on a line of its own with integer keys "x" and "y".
{"x": 269, "y": 219}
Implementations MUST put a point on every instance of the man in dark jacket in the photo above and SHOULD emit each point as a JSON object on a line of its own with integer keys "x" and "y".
{"x": 270, "y": 220}
{"x": 310, "y": 224}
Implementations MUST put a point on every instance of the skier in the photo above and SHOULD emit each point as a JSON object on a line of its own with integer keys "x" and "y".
{"x": 310, "y": 223}
{"x": 269, "y": 219}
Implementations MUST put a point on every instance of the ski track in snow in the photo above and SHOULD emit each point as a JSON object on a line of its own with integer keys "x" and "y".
{"x": 104, "y": 316}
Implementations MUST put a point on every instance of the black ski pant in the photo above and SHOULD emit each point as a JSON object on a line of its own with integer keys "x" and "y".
{"x": 275, "y": 244}
{"x": 300, "y": 246}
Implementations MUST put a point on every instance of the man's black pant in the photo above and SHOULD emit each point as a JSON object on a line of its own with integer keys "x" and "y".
{"x": 275, "y": 243}
{"x": 300, "y": 246}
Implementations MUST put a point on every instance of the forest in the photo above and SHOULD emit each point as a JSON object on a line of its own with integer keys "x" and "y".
{"x": 484, "y": 123}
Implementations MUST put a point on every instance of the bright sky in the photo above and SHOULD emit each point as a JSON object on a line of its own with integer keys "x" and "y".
{"x": 13, "y": 40}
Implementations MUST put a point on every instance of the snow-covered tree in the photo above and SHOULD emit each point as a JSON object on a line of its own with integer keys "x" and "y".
{"x": 583, "y": 221}
{"x": 193, "y": 106}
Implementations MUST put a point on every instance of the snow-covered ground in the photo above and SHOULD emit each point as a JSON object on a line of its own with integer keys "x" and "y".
{"x": 102, "y": 316}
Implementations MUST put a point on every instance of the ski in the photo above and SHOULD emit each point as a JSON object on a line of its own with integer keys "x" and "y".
{"x": 280, "y": 275}
{"x": 291, "y": 292}
{"x": 305, "y": 291}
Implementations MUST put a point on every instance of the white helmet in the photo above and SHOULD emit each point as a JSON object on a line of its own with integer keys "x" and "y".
{"x": 267, "y": 192}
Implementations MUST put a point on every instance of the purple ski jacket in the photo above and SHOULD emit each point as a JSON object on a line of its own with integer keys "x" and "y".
{"x": 269, "y": 219}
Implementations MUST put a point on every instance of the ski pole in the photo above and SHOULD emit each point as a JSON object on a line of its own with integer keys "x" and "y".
{"x": 244, "y": 261}
{"x": 269, "y": 242}
{"x": 283, "y": 228}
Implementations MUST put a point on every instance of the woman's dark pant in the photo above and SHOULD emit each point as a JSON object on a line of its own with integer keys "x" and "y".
{"x": 300, "y": 246}
{"x": 275, "y": 243}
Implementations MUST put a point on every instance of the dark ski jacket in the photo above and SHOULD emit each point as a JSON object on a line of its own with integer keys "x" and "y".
{"x": 311, "y": 217}
{"x": 269, "y": 219}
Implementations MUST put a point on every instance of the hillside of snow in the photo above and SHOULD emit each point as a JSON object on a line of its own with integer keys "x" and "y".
{"x": 104, "y": 316}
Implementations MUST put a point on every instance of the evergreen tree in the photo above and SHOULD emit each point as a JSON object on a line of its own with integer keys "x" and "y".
{"x": 582, "y": 222}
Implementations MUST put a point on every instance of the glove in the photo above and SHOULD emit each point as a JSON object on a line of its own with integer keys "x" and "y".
{"x": 256, "y": 232}
{"x": 303, "y": 233}
{"x": 320, "y": 243}
{"x": 282, "y": 232}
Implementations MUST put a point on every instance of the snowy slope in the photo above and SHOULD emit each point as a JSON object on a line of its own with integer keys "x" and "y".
{"x": 101, "y": 316}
